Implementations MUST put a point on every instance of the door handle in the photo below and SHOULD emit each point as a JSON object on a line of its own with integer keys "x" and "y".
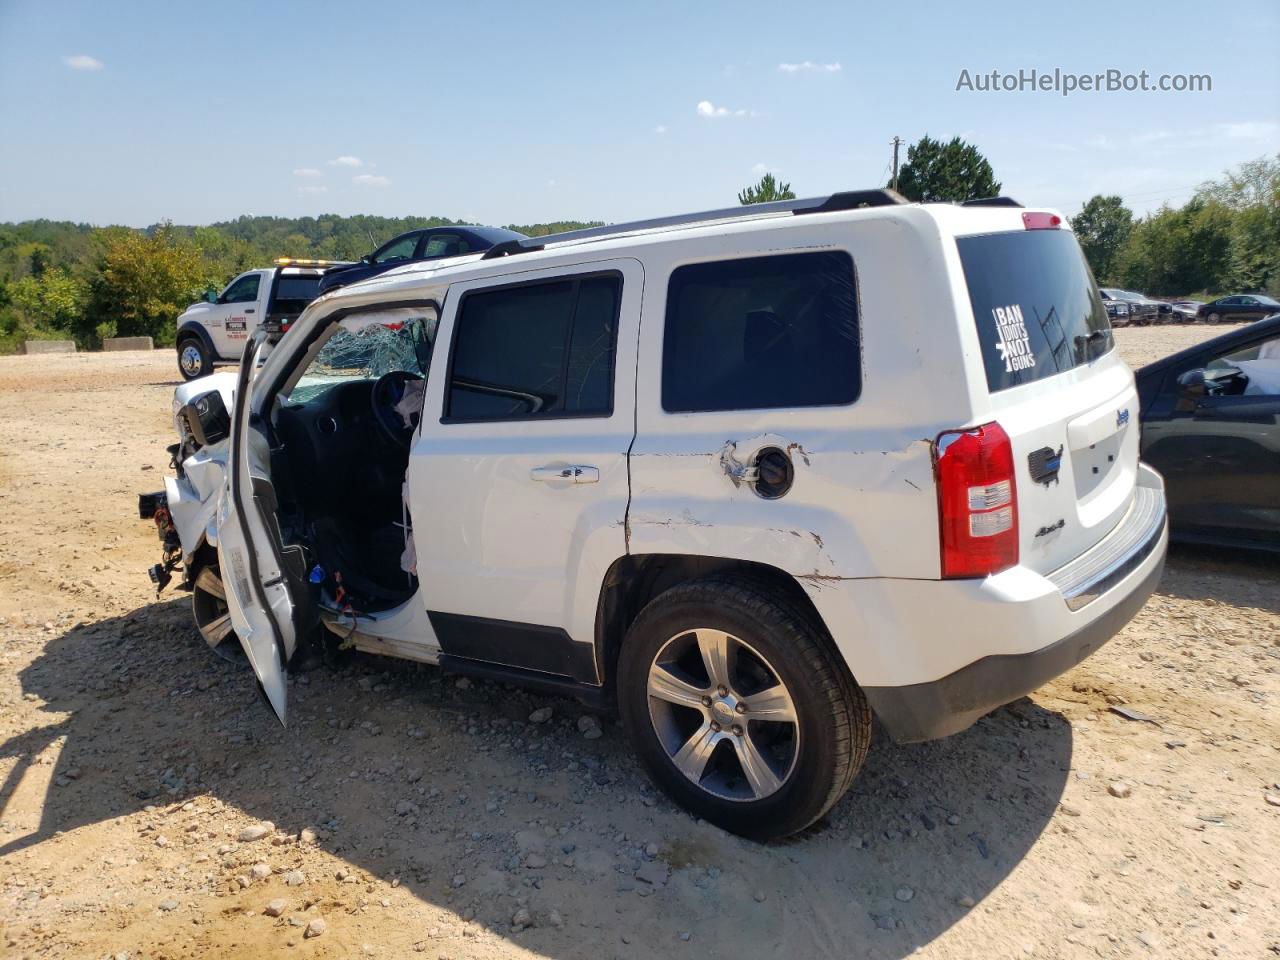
{"x": 249, "y": 310}
{"x": 573, "y": 473}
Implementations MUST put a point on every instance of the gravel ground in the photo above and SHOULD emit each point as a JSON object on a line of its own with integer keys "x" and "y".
{"x": 151, "y": 808}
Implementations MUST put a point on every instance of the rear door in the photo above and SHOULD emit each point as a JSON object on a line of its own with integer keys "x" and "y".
{"x": 263, "y": 580}
{"x": 518, "y": 482}
{"x": 1057, "y": 386}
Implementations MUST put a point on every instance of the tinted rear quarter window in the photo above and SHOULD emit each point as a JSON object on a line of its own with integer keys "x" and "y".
{"x": 535, "y": 350}
{"x": 1036, "y": 307}
{"x": 761, "y": 332}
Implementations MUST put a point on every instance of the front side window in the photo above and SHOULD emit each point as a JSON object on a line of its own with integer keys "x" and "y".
{"x": 244, "y": 290}
{"x": 397, "y": 250}
{"x": 1252, "y": 371}
{"x": 1035, "y": 305}
{"x": 366, "y": 346}
{"x": 540, "y": 349}
{"x": 761, "y": 332}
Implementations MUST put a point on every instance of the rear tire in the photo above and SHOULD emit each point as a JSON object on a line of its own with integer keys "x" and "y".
{"x": 701, "y": 667}
{"x": 194, "y": 359}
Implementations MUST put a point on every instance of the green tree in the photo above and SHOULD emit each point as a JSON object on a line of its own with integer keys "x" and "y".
{"x": 1174, "y": 251}
{"x": 1253, "y": 250}
{"x": 143, "y": 282}
{"x": 766, "y": 191}
{"x": 1102, "y": 227}
{"x": 948, "y": 172}
{"x": 1252, "y": 192}
{"x": 51, "y": 301}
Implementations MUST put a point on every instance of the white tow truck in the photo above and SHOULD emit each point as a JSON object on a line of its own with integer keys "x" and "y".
{"x": 216, "y": 329}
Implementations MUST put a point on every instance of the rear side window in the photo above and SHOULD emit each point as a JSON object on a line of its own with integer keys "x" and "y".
{"x": 1035, "y": 304}
{"x": 777, "y": 331}
{"x": 536, "y": 350}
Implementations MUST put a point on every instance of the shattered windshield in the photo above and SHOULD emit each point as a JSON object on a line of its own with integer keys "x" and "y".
{"x": 366, "y": 347}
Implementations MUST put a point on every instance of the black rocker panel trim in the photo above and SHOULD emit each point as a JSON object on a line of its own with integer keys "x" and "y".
{"x": 527, "y": 646}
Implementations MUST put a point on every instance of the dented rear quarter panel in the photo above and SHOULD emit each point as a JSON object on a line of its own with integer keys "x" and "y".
{"x": 863, "y": 503}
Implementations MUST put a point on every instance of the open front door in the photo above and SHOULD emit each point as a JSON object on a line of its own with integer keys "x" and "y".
{"x": 265, "y": 591}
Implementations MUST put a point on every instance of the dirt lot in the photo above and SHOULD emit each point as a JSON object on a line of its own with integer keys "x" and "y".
{"x": 414, "y": 813}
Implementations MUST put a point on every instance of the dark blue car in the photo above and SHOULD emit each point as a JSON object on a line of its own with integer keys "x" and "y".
{"x": 431, "y": 243}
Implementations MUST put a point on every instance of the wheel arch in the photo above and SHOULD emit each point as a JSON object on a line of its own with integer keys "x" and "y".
{"x": 192, "y": 330}
{"x": 635, "y": 579}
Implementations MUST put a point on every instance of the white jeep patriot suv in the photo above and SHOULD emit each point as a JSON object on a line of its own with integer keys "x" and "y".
{"x": 754, "y": 475}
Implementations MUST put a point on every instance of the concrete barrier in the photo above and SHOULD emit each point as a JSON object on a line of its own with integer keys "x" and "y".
{"x": 127, "y": 343}
{"x": 33, "y": 347}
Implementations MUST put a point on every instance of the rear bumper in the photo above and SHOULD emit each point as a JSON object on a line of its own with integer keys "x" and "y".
{"x": 934, "y": 656}
{"x": 939, "y": 708}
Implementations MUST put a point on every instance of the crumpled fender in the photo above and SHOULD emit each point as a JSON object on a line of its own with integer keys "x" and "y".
{"x": 193, "y": 498}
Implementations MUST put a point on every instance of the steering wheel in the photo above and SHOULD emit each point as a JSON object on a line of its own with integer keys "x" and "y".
{"x": 388, "y": 391}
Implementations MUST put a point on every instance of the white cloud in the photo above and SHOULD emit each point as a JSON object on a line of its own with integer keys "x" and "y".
{"x": 760, "y": 169}
{"x": 370, "y": 180}
{"x": 1251, "y": 130}
{"x": 708, "y": 109}
{"x": 346, "y": 161}
{"x": 808, "y": 66}
{"x": 659, "y": 129}
{"x": 313, "y": 189}
{"x": 307, "y": 172}
{"x": 82, "y": 61}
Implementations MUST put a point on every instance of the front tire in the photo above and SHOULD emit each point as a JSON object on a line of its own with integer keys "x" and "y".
{"x": 213, "y": 619}
{"x": 739, "y": 708}
{"x": 1215, "y": 318}
{"x": 194, "y": 360}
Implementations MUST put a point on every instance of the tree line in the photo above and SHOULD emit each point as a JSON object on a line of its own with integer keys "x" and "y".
{"x": 1225, "y": 239}
{"x": 62, "y": 280}
{"x": 69, "y": 280}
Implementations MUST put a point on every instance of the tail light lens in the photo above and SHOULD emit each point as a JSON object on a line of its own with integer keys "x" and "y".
{"x": 1041, "y": 221}
{"x": 977, "y": 501}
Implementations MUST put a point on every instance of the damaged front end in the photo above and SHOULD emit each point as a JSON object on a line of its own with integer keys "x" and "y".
{"x": 184, "y": 512}
{"x": 155, "y": 506}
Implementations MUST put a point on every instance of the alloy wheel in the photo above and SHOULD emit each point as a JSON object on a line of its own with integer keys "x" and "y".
{"x": 213, "y": 619}
{"x": 723, "y": 715}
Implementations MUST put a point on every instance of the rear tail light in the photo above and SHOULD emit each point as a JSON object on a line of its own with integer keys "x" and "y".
{"x": 1041, "y": 221}
{"x": 977, "y": 501}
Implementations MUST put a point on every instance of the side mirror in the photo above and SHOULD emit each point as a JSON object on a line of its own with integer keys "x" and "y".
{"x": 1191, "y": 389}
{"x": 367, "y": 258}
{"x": 211, "y": 295}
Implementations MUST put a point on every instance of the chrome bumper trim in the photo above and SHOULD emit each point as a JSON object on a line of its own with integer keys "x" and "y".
{"x": 1118, "y": 554}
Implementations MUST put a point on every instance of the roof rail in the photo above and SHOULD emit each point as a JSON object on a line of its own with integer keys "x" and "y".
{"x": 992, "y": 202}
{"x": 846, "y": 200}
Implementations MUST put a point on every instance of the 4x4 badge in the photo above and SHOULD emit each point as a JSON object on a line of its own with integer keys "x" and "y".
{"x": 1045, "y": 464}
{"x": 1122, "y": 417}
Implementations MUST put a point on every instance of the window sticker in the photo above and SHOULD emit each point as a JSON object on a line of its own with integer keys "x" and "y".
{"x": 1014, "y": 344}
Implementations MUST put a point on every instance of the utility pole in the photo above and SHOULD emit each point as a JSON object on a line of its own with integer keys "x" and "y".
{"x": 897, "y": 141}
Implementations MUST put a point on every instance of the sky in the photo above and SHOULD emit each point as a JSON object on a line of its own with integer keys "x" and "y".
{"x": 518, "y": 112}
